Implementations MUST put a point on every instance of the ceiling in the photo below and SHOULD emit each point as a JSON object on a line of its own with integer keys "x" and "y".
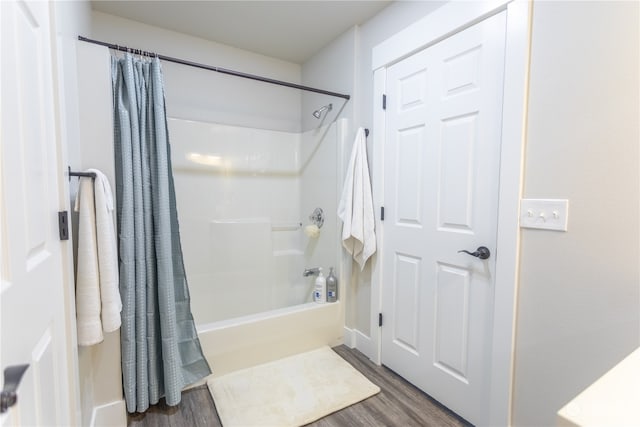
{"x": 289, "y": 30}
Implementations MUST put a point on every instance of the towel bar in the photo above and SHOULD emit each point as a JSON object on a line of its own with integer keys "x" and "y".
{"x": 91, "y": 175}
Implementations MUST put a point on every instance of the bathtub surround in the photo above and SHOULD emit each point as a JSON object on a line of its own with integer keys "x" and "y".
{"x": 161, "y": 352}
{"x": 241, "y": 194}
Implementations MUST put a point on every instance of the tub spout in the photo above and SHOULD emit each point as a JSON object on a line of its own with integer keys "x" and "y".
{"x": 311, "y": 272}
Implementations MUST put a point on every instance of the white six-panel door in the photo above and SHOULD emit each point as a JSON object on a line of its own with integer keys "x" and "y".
{"x": 31, "y": 291}
{"x": 441, "y": 169}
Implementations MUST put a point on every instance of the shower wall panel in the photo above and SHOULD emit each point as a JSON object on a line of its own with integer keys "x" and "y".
{"x": 319, "y": 182}
{"x": 238, "y": 195}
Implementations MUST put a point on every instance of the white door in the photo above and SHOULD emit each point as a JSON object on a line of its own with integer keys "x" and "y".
{"x": 441, "y": 168}
{"x": 31, "y": 291}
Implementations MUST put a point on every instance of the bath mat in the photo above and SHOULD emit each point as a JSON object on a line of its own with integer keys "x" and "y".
{"x": 291, "y": 392}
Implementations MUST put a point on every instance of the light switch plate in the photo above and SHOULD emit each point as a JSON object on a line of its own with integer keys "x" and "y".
{"x": 546, "y": 214}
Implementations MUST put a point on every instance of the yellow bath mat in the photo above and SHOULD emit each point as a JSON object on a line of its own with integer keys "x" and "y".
{"x": 291, "y": 392}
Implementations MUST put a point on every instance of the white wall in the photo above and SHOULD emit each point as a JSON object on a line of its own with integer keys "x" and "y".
{"x": 579, "y": 297}
{"x": 72, "y": 18}
{"x": 332, "y": 68}
{"x": 204, "y": 95}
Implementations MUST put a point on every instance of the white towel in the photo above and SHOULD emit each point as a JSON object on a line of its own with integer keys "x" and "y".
{"x": 356, "y": 205}
{"x": 98, "y": 301}
{"x": 107, "y": 254}
{"x": 87, "y": 275}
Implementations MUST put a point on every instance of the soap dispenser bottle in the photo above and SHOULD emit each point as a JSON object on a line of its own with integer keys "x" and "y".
{"x": 332, "y": 287}
{"x": 320, "y": 289}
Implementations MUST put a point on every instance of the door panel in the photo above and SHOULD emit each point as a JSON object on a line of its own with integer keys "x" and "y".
{"x": 31, "y": 292}
{"x": 442, "y": 160}
{"x": 452, "y": 320}
{"x": 409, "y": 176}
{"x": 405, "y": 302}
{"x": 455, "y": 192}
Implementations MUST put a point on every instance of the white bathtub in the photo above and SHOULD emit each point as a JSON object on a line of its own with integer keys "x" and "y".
{"x": 230, "y": 345}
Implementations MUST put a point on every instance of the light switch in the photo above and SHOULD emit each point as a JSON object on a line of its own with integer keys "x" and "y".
{"x": 547, "y": 214}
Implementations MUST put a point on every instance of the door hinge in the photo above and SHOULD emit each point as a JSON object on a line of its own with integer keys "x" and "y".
{"x": 63, "y": 225}
{"x": 381, "y": 213}
{"x": 379, "y": 319}
{"x": 384, "y": 101}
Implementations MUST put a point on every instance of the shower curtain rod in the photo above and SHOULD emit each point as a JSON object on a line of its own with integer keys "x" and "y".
{"x": 216, "y": 69}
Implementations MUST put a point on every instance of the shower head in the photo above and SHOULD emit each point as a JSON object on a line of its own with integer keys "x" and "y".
{"x": 319, "y": 111}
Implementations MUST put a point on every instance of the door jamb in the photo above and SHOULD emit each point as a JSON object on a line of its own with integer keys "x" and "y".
{"x": 440, "y": 24}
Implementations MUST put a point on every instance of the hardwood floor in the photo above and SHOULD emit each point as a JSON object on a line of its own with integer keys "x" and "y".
{"x": 398, "y": 404}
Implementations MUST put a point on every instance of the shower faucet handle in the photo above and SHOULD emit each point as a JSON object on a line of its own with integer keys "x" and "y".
{"x": 317, "y": 217}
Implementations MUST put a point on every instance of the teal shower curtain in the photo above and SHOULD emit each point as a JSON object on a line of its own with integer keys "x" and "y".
{"x": 161, "y": 353}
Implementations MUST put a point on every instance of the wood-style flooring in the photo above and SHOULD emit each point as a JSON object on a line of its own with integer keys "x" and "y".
{"x": 398, "y": 404}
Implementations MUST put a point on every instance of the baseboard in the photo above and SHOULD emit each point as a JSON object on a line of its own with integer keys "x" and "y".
{"x": 349, "y": 337}
{"x": 112, "y": 414}
{"x": 353, "y": 338}
{"x": 365, "y": 345}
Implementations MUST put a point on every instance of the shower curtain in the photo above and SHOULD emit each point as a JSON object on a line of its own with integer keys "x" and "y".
{"x": 161, "y": 353}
